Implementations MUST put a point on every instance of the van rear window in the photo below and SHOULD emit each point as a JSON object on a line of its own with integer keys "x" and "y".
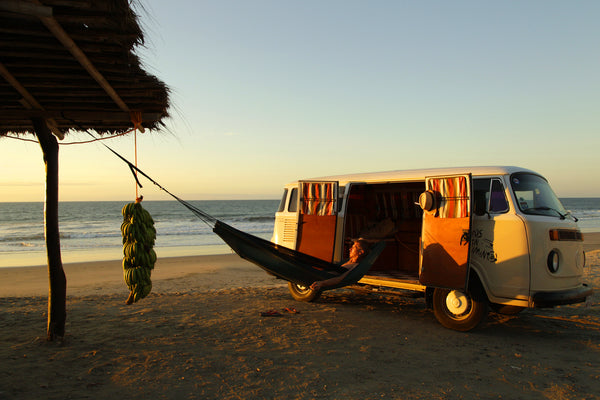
{"x": 282, "y": 202}
{"x": 293, "y": 204}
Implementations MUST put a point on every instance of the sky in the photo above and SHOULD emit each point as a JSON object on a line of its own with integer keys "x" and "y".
{"x": 265, "y": 92}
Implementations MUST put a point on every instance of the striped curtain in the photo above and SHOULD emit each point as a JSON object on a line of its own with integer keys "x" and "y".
{"x": 454, "y": 191}
{"x": 318, "y": 198}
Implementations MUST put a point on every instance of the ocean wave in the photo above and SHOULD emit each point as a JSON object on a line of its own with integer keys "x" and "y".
{"x": 261, "y": 219}
{"x": 22, "y": 238}
{"x": 89, "y": 235}
{"x": 586, "y": 213}
{"x": 241, "y": 218}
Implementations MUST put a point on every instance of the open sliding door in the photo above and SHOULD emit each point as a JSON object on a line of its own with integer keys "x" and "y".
{"x": 446, "y": 232}
{"x": 318, "y": 219}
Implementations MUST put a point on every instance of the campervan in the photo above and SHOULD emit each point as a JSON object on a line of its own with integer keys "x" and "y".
{"x": 466, "y": 239}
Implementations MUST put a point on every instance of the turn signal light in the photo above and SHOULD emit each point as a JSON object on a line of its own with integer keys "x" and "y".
{"x": 566, "y": 234}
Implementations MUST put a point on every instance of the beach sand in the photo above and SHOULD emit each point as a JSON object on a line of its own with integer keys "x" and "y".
{"x": 200, "y": 335}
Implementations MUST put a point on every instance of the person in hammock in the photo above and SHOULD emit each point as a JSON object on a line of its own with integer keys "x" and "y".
{"x": 357, "y": 252}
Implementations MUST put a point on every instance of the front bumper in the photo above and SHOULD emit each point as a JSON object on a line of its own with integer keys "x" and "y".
{"x": 571, "y": 296}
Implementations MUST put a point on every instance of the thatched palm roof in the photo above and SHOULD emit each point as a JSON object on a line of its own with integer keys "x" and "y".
{"x": 71, "y": 62}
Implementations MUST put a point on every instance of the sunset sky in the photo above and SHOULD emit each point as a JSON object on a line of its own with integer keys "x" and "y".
{"x": 268, "y": 91}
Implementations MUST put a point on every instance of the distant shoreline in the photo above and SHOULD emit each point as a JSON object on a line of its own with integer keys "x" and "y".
{"x": 38, "y": 257}
{"x": 175, "y": 201}
{"x": 26, "y": 259}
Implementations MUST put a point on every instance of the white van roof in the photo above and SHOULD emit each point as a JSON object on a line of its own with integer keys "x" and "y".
{"x": 418, "y": 174}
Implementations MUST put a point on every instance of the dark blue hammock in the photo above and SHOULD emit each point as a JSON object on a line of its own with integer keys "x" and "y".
{"x": 280, "y": 261}
{"x": 289, "y": 264}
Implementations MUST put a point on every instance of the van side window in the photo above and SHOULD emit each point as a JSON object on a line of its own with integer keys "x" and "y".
{"x": 283, "y": 199}
{"x": 481, "y": 189}
{"x": 488, "y": 196}
{"x": 498, "y": 203}
{"x": 293, "y": 204}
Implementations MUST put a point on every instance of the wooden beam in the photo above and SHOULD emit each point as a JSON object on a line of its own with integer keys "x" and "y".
{"x": 57, "y": 281}
{"x": 70, "y": 45}
{"x": 29, "y": 100}
{"x": 21, "y": 7}
{"x": 18, "y": 87}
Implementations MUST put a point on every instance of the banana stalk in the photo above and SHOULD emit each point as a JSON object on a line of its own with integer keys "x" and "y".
{"x": 139, "y": 256}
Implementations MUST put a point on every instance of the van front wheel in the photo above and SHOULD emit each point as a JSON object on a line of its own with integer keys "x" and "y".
{"x": 303, "y": 293}
{"x": 458, "y": 310}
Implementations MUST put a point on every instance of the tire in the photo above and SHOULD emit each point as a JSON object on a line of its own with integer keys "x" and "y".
{"x": 303, "y": 293}
{"x": 458, "y": 310}
{"x": 505, "y": 310}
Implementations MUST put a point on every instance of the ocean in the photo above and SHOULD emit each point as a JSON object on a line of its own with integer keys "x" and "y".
{"x": 90, "y": 231}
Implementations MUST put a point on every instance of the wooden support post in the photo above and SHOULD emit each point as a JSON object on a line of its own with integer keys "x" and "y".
{"x": 57, "y": 293}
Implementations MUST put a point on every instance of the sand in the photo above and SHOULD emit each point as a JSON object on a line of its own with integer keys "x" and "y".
{"x": 200, "y": 335}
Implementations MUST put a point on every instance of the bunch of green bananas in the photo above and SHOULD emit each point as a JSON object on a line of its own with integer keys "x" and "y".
{"x": 139, "y": 258}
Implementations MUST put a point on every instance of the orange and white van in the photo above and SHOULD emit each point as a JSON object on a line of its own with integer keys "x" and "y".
{"x": 466, "y": 238}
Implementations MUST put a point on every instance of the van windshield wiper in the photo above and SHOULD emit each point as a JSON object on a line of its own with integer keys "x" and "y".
{"x": 572, "y": 216}
{"x": 547, "y": 209}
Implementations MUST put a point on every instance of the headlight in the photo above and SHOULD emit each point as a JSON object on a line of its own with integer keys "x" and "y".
{"x": 553, "y": 261}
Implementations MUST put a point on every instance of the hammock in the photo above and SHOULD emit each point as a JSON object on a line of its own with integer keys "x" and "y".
{"x": 289, "y": 264}
{"x": 280, "y": 261}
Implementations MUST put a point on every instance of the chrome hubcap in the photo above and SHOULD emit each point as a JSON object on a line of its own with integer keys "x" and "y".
{"x": 457, "y": 302}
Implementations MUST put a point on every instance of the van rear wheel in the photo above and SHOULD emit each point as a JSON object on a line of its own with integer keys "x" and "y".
{"x": 458, "y": 310}
{"x": 303, "y": 293}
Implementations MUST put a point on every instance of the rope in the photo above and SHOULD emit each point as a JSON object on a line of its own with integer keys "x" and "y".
{"x": 206, "y": 218}
{"x": 136, "y": 119}
{"x": 66, "y": 144}
{"x": 23, "y": 139}
{"x": 135, "y": 150}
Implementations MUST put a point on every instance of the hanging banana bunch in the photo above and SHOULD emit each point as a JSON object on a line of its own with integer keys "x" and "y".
{"x": 138, "y": 256}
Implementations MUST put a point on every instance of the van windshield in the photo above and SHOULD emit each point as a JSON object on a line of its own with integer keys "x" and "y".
{"x": 535, "y": 196}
